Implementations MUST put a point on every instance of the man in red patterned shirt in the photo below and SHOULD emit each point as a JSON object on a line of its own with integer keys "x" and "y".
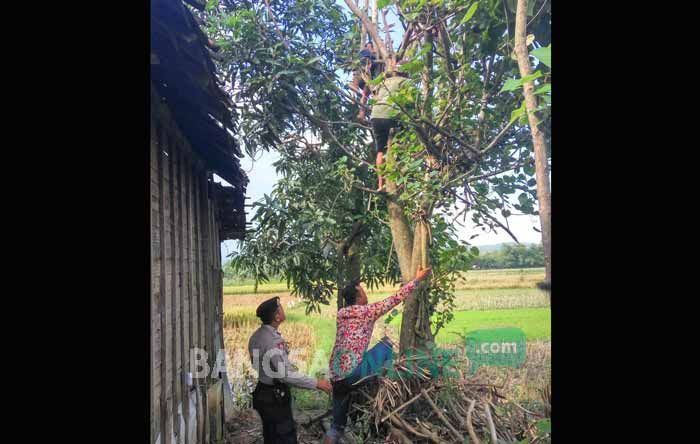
{"x": 350, "y": 359}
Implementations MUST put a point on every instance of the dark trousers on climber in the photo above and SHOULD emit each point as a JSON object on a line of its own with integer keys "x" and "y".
{"x": 373, "y": 361}
{"x": 274, "y": 404}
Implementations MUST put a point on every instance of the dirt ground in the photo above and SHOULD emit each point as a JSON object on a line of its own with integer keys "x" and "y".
{"x": 246, "y": 428}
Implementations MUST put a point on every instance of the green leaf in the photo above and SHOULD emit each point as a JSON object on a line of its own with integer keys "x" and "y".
{"x": 413, "y": 66}
{"x": 533, "y": 76}
{"x": 513, "y": 84}
{"x": 381, "y": 4}
{"x": 523, "y": 199}
{"x": 547, "y": 87}
{"x": 544, "y": 426}
{"x": 377, "y": 81}
{"x": 314, "y": 60}
{"x": 543, "y": 54}
{"x": 518, "y": 112}
{"x": 470, "y": 13}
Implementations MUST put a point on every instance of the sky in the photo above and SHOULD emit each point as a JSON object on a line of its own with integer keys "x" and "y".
{"x": 263, "y": 177}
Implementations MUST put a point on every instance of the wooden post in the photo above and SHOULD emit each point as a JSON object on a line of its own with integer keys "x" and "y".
{"x": 175, "y": 291}
{"x": 182, "y": 279}
{"x": 166, "y": 295}
{"x": 196, "y": 210}
{"x": 156, "y": 294}
{"x": 188, "y": 283}
{"x": 204, "y": 238}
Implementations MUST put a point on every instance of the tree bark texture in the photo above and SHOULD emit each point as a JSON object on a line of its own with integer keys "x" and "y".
{"x": 541, "y": 170}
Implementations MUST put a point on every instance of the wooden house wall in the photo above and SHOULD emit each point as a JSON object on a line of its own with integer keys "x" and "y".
{"x": 186, "y": 282}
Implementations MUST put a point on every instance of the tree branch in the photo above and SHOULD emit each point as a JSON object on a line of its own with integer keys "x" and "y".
{"x": 496, "y": 173}
{"x": 452, "y": 136}
{"x": 276, "y": 26}
{"x": 502, "y": 226}
{"x": 405, "y": 42}
{"x": 378, "y": 193}
{"x": 497, "y": 138}
{"x": 470, "y": 426}
{"x": 492, "y": 427}
{"x": 448, "y": 57}
{"x": 326, "y": 129}
{"x": 371, "y": 28}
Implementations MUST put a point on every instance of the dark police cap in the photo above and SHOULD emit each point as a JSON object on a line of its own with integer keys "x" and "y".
{"x": 268, "y": 308}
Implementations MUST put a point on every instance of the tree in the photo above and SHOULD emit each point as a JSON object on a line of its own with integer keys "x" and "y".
{"x": 460, "y": 131}
{"x": 512, "y": 256}
{"x": 538, "y": 138}
{"x": 463, "y": 150}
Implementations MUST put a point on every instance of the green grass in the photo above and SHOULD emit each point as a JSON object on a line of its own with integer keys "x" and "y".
{"x": 324, "y": 331}
{"x": 535, "y": 322}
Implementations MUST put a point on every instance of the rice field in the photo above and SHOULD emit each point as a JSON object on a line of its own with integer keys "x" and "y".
{"x": 484, "y": 298}
{"x": 475, "y": 279}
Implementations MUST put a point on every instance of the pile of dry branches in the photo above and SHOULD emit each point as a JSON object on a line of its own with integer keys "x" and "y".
{"x": 426, "y": 409}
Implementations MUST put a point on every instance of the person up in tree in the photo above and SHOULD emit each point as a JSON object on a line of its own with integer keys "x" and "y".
{"x": 383, "y": 117}
{"x": 368, "y": 71}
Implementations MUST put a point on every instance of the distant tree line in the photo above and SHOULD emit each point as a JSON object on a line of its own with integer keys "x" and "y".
{"x": 234, "y": 277}
{"x": 512, "y": 256}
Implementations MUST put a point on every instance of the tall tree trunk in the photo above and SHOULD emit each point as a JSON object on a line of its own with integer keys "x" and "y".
{"x": 348, "y": 268}
{"x": 415, "y": 325}
{"x": 348, "y": 253}
{"x": 541, "y": 170}
{"x": 400, "y": 227}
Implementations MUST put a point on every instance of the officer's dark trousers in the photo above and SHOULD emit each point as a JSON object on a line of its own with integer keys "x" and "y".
{"x": 276, "y": 413}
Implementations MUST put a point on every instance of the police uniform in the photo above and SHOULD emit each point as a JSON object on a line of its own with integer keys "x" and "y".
{"x": 272, "y": 397}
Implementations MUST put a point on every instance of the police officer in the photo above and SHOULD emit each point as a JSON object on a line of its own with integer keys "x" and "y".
{"x": 271, "y": 397}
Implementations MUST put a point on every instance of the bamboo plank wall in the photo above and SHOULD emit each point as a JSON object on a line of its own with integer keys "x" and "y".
{"x": 186, "y": 282}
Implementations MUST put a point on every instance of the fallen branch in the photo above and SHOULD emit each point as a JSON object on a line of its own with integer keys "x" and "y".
{"x": 405, "y": 404}
{"x": 398, "y": 434}
{"x": 397, "y": 421}
{"x": 470, "y": 426}
{"x": 440, "y": 415}
{"x": 492, "y": 427}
